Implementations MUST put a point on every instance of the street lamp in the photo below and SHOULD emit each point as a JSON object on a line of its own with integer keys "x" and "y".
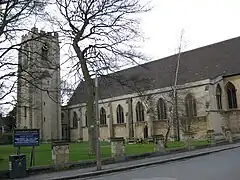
{"x": 98, "y": 156}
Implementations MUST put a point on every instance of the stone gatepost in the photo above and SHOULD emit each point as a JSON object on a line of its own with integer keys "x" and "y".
{"x": 118, "y": 147}
{"x": 211, "y": 137}
{"x": 158, "y": 143}
{"x": 188, "y": 137}
{"x": 110, "y": 120}
{"x": 60, "y": 154}
{"x": 228, "y": 133}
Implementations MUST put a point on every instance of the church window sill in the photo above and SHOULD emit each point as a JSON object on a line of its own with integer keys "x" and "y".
{"x": 122, "y": 124}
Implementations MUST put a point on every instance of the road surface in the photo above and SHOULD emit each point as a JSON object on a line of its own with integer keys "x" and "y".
{"x": 218, "y": 166}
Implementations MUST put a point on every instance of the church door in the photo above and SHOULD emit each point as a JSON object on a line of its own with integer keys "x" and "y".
{"x": 145, "y": 132}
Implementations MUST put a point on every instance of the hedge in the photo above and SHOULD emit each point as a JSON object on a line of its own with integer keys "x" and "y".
{"x": 6, "y": 138}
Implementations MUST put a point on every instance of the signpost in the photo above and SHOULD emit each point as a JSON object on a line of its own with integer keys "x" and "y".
{"x": 26, "y": 138}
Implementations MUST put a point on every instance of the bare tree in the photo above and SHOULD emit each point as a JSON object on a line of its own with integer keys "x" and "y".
{"x": 13, "y": 15}
{"x": 189, "y": 122}
{"x": 171, "y": 99}
{"x": 150, "y": 102}
{"x": 102, "y": 33}
{"x": 175, "y": 105}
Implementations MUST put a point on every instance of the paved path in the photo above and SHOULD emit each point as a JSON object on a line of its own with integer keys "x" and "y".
{"x": 56, "y": 175}
{"x": 223, "y": 165}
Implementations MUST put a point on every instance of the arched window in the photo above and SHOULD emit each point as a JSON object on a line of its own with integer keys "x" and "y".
{"x": 219, "y": 97}
{"x": 191, "y": 106}
{"x": 139, "y": 112}
{"x": 103, "y": 116}
{"x": 75, "y": 120}
{"x": 161, "y": 109}
{"x": 86, "y": 119}
{"x": 232, "y": 98}
{"x": 120, "y": 114}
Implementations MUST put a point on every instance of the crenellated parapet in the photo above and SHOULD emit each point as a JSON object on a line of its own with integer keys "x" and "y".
{"x": 34, "y": 32}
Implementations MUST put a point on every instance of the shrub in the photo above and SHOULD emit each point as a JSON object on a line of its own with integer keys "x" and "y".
{"x": 6, "y": 138}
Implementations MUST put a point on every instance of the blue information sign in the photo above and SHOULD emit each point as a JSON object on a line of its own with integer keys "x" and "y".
{"x": 26, "y": 137}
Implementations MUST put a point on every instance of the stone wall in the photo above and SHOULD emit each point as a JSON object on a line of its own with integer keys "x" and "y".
{"x": 200, "y": 128}
{"x": 232, "y": 119}
{"x": 159, "y": 127}
{"x": 139, "y": 127}
{"x": 104, "y": 134}
{"x": 120, "y": 130}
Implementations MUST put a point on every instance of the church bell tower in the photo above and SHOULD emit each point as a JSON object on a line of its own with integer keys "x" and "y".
{"x": 38, "y": 92}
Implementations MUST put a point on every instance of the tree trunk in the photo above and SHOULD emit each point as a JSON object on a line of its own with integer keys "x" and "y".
{"x": 91, "y": 124}
{"x": 166, "y": 137}
{"x": 90, "y": 101}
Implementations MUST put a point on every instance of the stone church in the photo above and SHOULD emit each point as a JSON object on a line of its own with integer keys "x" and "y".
{"x": 208, "y": 83}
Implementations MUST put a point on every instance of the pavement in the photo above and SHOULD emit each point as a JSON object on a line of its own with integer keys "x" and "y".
{"x": 125, "y": 166}
{"x": 217, "y": 166}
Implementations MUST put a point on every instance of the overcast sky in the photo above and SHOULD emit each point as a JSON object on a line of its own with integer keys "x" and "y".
{"x": 204, "y": 22}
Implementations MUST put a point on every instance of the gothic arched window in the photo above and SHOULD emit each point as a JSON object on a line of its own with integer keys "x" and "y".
{"x": 103, "y": 116}
{"x": 139, "y": 112}
{"x": 191, "y": 106}
{"x": 75, "y": 120}
{"x": 161, "y": 109}
{"x": 62, "y": 117}
{"x": 232, "y": 98}
{"x": 120, "y": 114}
{"x": 219, "y": 96}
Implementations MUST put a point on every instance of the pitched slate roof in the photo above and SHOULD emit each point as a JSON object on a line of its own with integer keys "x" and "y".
{"x": 207, "y": 62}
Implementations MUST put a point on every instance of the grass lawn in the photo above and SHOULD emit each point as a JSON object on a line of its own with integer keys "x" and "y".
{"x": 79, "y": 151}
